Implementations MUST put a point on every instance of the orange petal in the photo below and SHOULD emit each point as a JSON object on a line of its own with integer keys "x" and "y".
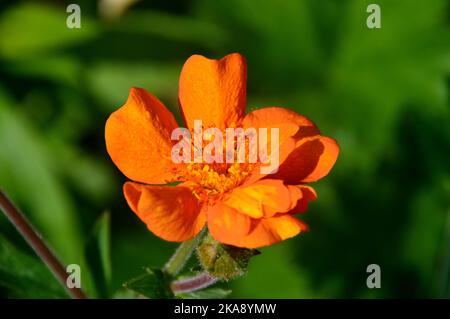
{"x": 224, "y": 221}
{"x": 213, "y": 90}
{"x": 311, "y": 160}
{"x": 264, "y": 232}
{"x": 296, "y": 194}
{"x": 170, "y": 212}
{"x": 292, "y": 128}
{"x": 307, "y": 194}
{"x": 289, "y": 122}
{"x": 138, "y": 139}
{"x": 264, "y": 198}
{"x": 286, "y": 148}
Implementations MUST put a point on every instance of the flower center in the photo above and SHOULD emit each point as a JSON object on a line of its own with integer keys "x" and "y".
{"x": 213, "y": 180}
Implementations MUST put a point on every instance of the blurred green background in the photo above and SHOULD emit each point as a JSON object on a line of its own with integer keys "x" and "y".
{"x": 382, "y": 93}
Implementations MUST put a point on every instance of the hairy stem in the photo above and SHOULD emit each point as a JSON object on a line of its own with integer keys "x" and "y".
{"x": 37, "y": 243}
{"x": 182, "y": 255}
{"x": 195, "y": 283}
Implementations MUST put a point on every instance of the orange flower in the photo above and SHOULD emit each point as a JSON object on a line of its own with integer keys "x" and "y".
{"x": 240, "y": 205}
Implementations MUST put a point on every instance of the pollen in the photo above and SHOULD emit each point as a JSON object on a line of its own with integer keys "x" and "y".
{"x": 212, "y": 181}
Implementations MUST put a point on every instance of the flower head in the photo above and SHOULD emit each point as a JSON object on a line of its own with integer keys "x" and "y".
{"x": 241, "y": 204}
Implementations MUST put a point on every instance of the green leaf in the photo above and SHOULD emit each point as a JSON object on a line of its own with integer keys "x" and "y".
{"x": 110, "y": 87}
{"x": 87, "y": 174}
{"x": 23, "y": 276}
{"x": 56, "y": 68}
{"x": 176, "y": 28}
{"x": 153, "y": 284}
{"x": 32, "y": 28}
{"x": 33, "y": 184}
{"x": 98, "y": 253}
{"x": 211, "y": 293}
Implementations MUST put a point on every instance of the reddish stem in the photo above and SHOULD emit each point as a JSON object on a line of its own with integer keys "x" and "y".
{"x": 198, "y": 282}
{"x": 37, "y": 243}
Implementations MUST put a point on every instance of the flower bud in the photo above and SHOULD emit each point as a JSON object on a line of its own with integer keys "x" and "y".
{"x": 223, "y": 261}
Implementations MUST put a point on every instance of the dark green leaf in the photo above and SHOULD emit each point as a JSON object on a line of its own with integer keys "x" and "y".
{"x": 176, "y": 28}
{"x": 33, "y": 184}
{"x": 24, "y": 276}
{"x": 98, "y": 253}
{"x": 153, "y": 284}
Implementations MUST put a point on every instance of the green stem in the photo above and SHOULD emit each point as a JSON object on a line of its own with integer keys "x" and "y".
{"x": 182, "y": 255}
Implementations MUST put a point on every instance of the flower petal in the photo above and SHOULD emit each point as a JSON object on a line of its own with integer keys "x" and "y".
{"x": 224, "y": 221}
{"x": 138, "y": 139}
{"x": 257, "y": 173}
{"x": 213, "y": 90}
{"x": 311, "y": 160}
{"x": 264, "y": 232}
{"x": 264, "y": 198}
{"x": 296, "y": 194}
{"x": 289, "y": 122}
{"x": 307, "y": 194}
{"x": 170, "y": 212}
{"x": 292, "y": 128}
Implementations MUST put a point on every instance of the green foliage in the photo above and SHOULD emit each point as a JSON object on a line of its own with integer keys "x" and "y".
{"x": 383, "y": 94}
{"x": 153, "y": 284}
{"x": 98, "y": 255}
{"x": 27, "y": 175}
{"x": 182, "y": 29}
{"x": 24, "y": 276}
{"x": 31, "y": 28}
